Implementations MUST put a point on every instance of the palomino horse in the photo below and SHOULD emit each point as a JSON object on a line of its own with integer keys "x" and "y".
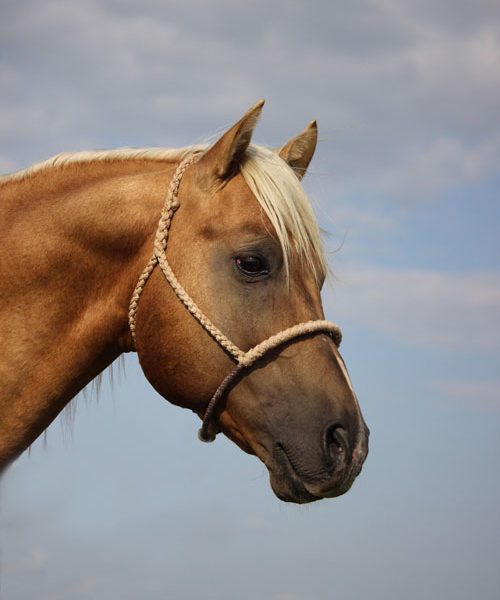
{"x": 244, "y": 259}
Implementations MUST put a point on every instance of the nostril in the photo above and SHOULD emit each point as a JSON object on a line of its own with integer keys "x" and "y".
{"x": 336, "y": 441}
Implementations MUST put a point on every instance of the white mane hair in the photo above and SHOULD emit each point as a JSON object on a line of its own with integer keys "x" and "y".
{"x": 285, "y": 202}
{"x": 273, "y": 183}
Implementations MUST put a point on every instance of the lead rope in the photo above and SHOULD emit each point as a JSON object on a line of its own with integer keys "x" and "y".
{"x": 244, "y": 359}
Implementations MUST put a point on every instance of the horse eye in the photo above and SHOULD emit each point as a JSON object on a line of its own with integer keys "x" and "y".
{"x": 252, "y": 266}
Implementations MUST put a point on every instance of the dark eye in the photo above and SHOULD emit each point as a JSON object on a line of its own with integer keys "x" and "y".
{"x": 252, "y": 266}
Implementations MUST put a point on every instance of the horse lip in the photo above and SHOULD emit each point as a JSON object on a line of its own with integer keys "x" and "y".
{"x": 281, "y": 470}
{"x": 307, "y": 491}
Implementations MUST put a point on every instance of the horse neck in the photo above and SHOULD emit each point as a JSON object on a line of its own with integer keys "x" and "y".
{"x": 76, "y": 239}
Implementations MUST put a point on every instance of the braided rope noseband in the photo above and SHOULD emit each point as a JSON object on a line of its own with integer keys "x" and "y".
{"x": 243, "y": 359}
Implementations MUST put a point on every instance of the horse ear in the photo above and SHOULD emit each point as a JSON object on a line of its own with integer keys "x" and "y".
{"x": 299, "y": 151}
{"x": 223, "y": 158}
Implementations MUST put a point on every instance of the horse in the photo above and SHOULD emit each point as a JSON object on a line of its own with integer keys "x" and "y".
{"x": 228, "y": 323}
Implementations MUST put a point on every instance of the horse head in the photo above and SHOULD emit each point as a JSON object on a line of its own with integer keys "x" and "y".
{"x": 246, "y": 247}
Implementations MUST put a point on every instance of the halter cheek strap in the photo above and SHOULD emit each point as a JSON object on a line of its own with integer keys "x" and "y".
{"x": 243, "y": 359}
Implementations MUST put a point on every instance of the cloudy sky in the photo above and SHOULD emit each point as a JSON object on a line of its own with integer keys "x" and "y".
{"x": 125, "y": 503}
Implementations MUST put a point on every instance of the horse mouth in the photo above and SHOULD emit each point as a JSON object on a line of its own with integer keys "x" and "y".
{"x": 291, "y": 485}
{"x": 285, "y": 482}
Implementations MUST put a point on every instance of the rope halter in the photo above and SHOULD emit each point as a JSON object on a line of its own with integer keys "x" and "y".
{"x": 244, "y": 360}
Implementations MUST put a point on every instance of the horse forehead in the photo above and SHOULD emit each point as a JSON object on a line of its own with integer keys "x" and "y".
{"x": 235, "y": 197}
{"x": 234, "y": 205}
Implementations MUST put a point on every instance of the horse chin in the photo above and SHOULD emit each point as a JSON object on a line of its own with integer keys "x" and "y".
{"x": 290, "y": 489}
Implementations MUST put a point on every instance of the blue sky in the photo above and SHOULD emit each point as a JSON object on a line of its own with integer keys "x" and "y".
{"x": 122, "y": 501}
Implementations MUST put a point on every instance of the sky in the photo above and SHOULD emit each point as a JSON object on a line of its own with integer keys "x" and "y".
{"x": 119, "y": 500}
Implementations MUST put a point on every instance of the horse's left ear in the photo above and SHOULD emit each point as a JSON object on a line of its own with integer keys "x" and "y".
{"x": 299, "y": 151}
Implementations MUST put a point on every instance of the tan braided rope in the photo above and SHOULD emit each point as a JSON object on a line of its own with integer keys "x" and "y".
{"x": 302, "y": 329}
{"x": 244, "y": 359}
{"x": 197, "y": 313}
{"x": 160, "y": 245}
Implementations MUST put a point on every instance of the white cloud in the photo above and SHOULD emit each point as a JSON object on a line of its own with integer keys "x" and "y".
{"x": 483, "y": 395}
{"x": 361, "y": 221}
{"x": 423, "y": 308}
{"x": 413, "y": 94}
{"x": 290, "y": 596}
{"x": 82, "y": 588}
{"x": 445, "y": 164}
{"x": 6, "y": 164}
{"x": 258, "y": 523}
{"x": 31, "y": 560}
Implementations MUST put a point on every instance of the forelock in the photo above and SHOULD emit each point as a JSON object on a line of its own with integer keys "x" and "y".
{"x": 284, "y": 201}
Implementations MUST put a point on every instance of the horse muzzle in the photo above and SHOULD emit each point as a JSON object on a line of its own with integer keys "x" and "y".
{"x": 299, "y": 476}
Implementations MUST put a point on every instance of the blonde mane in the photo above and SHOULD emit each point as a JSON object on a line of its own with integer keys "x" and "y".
{"x": 285, "y": 202}
{"x": 273, "y": 183}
